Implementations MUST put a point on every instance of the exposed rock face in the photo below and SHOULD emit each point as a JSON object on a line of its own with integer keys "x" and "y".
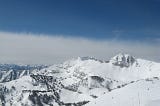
{"x": 99, "y": 82}
{"x": 123, "y": 60}
{"x": 73, "y": 83}
{"x": 9, "y": 72}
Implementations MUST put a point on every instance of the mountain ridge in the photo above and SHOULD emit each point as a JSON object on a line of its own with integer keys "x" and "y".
{"x": 85, "y": 78}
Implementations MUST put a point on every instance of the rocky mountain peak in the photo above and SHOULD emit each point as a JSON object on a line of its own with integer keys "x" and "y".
{"x": 123, "y": 60}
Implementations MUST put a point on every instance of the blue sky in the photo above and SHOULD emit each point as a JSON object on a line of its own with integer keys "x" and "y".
{"x": 52, "y": 31}
{"x": 95, "y": 19}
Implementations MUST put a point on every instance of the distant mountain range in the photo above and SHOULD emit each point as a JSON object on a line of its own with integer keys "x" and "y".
{"x": 121, "y": 81}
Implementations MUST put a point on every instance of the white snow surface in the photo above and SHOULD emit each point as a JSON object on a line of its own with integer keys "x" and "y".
{"x": 141, "y": 93}
{"x": 122, "y": 81}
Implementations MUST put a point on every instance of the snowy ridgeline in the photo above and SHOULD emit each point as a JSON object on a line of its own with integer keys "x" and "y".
{"x": 121, "y": 81}
{"x": 9, "y": 72}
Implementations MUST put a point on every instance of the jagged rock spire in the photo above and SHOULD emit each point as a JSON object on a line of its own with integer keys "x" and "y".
{"x": 123, "y": 60}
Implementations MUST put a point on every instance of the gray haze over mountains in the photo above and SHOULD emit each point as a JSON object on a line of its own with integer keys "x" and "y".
{"x": 26, "y": 48}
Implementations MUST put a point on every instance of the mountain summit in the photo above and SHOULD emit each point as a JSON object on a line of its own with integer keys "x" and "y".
{"x": 78, "y": 82}
{"x": 123, "y": 60}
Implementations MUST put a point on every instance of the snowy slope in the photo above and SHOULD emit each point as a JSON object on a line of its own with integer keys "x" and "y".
{"x": 133, "y": 70}
{"x": 141, "y": 93}
{"x": 79, "y": 81}
{"x": 9, "y": 72}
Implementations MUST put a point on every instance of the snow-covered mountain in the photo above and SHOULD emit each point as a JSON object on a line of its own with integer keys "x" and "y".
{"x": 10, "y": 72}
{"x": 85, "y": 81}
{"x": 140, "y": 93}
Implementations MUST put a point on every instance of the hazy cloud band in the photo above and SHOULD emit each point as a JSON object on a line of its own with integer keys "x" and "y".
{"x": 41, "y": 49}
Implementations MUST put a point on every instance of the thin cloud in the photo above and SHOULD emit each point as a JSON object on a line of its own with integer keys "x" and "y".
{"x": 42, "y": 49}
